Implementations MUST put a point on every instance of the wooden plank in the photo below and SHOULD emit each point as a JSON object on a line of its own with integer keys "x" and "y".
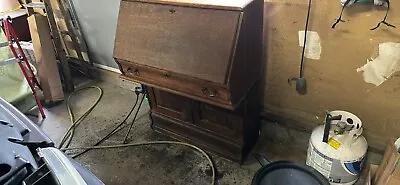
{"x": 65, "y": 25}
{"x": 29, "y": 10}
{"x": 71, "y": 33}
{"x": 35, "y": 6}
{"x": 77, "y": 26}
{"x": 68, "y": 82}
{"x": 45, "y": 58}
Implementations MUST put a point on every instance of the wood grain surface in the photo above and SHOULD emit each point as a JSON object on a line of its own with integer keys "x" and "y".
{"x": 183, "y": 85}
{"x": 231, "y": 134}
{"x": 190, "y": 41}
{"x": 218, "y": 4}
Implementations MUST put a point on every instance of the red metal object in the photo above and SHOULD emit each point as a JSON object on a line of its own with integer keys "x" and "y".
{"x": 23, "y": 62}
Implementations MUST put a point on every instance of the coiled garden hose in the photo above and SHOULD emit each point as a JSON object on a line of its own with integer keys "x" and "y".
{"x": 69, "y": 134}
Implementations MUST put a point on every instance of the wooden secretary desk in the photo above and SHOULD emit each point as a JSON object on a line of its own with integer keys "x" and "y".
{"x": 201, "y": 61}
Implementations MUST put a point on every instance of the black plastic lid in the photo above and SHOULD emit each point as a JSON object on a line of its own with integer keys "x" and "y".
{"x": 288, "y": 173}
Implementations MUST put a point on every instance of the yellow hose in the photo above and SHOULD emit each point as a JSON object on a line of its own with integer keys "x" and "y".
{"x": 68, "y": 135}
{"x": 67, "y": 138}
{"x": 152, "y": 143}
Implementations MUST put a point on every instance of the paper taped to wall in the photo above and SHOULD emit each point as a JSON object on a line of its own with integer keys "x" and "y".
{"x": 378, "y": 70}
{"x": 313, "y": 45}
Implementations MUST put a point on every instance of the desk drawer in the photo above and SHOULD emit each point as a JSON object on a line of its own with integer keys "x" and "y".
{"x": 178, "y": 84}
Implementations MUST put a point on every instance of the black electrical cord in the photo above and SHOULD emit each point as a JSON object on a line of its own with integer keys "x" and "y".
{"x": 341, "y": 13}
{"x": 301, "y": 83}
{"x": 138, "y": 90}
{"x": 384, "y": 19}
{"x": 134, "y": 118}
{"x": 114, "y": 130}
{"x": 305, "y": 40}
{"x": 376, "y": 27}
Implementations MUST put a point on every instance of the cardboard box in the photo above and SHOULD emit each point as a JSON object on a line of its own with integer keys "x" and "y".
{"x": 388, "y": 172}
{"x": 8, "y": 5}
{"x": 45, "y": 55}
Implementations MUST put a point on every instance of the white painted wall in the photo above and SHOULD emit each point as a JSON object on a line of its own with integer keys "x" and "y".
{"x": 98, "y": 20}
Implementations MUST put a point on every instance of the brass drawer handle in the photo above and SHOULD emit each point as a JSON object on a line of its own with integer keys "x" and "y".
{"x": 209, "y": 93}
{"x": 136, "y": 71}
{"x": 212, "y": 94}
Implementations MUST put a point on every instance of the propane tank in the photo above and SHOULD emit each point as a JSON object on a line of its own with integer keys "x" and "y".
{"x": 337, "y": 150}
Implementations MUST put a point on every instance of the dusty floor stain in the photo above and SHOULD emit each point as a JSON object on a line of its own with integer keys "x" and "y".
{"x": 161, "y": 164}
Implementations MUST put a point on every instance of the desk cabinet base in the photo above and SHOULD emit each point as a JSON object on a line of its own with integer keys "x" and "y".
{"x": 230, "y": 134}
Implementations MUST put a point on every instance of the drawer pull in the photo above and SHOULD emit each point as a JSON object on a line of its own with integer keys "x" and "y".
{"x": 212, "y": 94}
{"x": 130, "y": 70}
{"x": 209, "y": 93}
{"x": 172, "y": 11}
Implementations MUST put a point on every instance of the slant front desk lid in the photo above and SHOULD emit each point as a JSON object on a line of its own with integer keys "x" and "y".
{"x": 192, "y": 41}
{"x": 195, "y": 48}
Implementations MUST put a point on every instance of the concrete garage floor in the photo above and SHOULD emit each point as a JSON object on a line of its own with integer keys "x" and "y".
{"x": 162, "y": 164}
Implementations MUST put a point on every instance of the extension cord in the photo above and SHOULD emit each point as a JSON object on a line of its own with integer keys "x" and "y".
{"x": 67, "y": 138}
{"x": 152, "y": 143}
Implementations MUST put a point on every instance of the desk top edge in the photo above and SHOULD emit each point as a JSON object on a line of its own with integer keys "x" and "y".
{"x": 218, "y": 4}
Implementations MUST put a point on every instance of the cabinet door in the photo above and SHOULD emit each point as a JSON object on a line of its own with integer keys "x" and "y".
{"x": 219, "y": 121}
{"x": 171, "y": 105}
